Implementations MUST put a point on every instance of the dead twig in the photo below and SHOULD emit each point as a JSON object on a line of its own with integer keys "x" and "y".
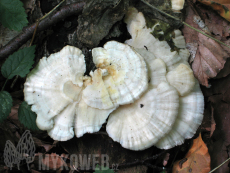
{"x": 220, "y": 165}
{"x": 27, "y": 32}
{"x": 42, "y": 19}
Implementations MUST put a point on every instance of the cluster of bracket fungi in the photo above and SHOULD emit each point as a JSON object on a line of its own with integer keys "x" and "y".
{"x": 150, "y": 95}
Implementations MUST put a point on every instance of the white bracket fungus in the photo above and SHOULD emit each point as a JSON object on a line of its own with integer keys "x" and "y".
{"x": 139, "y": 125}
{"x": 177, "y": 4}
{"x": 151, "y": 95}
{"x": 142, "y": 38}
{"x": 179, "y": 40}
{"x": 48, "y": 85}
{"x": 63, "y": 98}
{"x": 127, "y": 75}
{"x": 182, "y": 79}
{"x": 188, "y": 119}
{"x": 96, "y": 94}
{"x": 91, "y": 119}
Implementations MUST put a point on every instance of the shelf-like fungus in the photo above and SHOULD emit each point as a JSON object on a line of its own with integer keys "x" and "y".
{"x": 49, "y": 86}
{"x": 136, "y": 126}
{"x": 182, "y": 79}
{"x": 177, "y": 4}
{"x": 64, "y": 98}
{"x": 148, "y": 88}
{"x": 125, "y": 77}
{"x": 143, "y": 38}
{"x": 188, "y": 119}
{"x": 140, "y": 125}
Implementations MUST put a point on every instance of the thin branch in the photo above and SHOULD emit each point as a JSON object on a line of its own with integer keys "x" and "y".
{"x": 219, "y": 165}
{"x": 4, "y": 84}
{"x": 27, "y": 32}
{"x": 184, "y": 23}
{"x": 35, "y": 31}
{"x": 42, "y": 19}
{"x": 162, "y": 12}
{"x": 51, "y": 10}
{"x": 14, "y": 81}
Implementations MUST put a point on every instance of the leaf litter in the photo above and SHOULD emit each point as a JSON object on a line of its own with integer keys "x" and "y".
{"x": 217, "y": 100}
{"x": 221, "y": 6}
{"x": 196, "y": 160}
{"x": 208, "y": 56}
{"x": 209, "y": 60}
{"x": 212, "y": 63}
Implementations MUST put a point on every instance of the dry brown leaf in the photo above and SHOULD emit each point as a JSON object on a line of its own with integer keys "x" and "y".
{"x": 215, "y": 23}
{"x": 208, "y": 56}
{"x": 196, "y": 160}
{"x": 221, "y": 6}
{"x": 190, "y": 35}
{"x": 219, "y": 146}
{"x": 209, "y": 60}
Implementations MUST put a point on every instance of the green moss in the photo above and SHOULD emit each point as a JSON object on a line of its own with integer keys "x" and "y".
{"x": 150, "y": 22}
{"x": 162, "y": 31}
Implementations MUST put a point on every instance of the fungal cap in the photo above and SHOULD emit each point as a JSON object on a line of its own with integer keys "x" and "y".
{"x": 126, "y": 75}
{"x": 138, "y": 126}
{"x": 179, "y": 40}
{"x": 188, "y": 120}
{"x": 49, "y": 86}
{"x": 96, "y": 94}
{"x": 182, "y": 79}
{"x": 177, "y": 4}
{"x": 89, "y": 119}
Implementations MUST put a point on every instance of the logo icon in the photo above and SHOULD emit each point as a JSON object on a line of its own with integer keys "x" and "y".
{"x": 24, "y": 150}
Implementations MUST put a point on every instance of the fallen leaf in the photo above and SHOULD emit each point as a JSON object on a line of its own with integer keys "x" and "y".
{"x": 225, "y": 71}
{"x": 220, "y": 27}
{"x": 218, "y": 149}
{"x": 191, "y": 36}
{"x": 208, "y": 56}
{"x": 209, "y": 60}
{"x": 198, "y": 159}
{"x": 215, "y": 23}
{"x": 221, "y": 6}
